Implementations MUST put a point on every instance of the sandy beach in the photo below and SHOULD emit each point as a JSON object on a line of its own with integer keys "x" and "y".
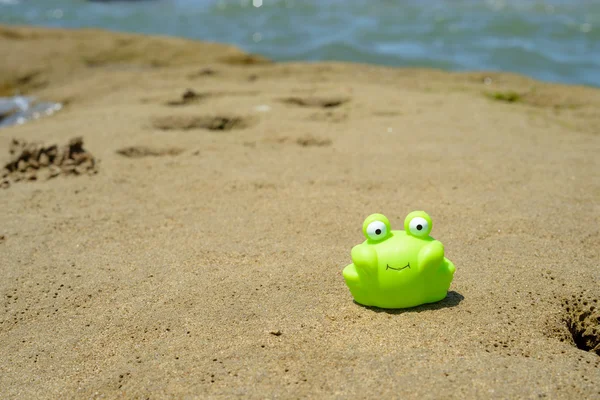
{"x": 202, "y": 256}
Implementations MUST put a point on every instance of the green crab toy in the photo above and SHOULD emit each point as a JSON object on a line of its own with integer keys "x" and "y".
{"x": 398, "y": 269}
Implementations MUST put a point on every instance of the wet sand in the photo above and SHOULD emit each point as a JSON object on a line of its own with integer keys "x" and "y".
{"x": 204, "y": 258}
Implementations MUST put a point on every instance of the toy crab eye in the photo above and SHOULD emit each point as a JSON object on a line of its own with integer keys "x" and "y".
{"x": 419, "y": 226}
{"x": 376, "y": 230}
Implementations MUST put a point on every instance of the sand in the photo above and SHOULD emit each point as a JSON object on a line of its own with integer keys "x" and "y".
{"x": 204, "y": 258}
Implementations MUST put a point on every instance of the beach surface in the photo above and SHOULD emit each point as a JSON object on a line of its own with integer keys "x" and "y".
{"x": 201, "y": 256}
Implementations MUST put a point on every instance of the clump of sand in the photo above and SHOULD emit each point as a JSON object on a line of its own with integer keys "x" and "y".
{"x": 30, "y": 160}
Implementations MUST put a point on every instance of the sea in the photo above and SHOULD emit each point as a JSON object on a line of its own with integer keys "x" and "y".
{"x": 551, "y": 40}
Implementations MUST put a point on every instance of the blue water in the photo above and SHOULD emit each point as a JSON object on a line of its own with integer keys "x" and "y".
{"x": 550, "y": 40}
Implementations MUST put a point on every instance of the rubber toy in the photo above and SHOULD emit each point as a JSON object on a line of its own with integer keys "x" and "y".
{"x": 398, "y": 269}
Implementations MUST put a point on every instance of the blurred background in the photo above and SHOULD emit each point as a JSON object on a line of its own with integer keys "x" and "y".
{"x": 550, "y": 40}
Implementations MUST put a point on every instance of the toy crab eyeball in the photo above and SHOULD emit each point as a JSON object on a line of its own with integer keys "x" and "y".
{"x": 398, "y": 269}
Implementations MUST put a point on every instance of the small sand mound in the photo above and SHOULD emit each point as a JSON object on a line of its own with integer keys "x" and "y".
{"x": 30, "y": 160}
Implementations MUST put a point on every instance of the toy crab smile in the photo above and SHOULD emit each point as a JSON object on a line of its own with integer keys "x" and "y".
{"x": 426, "y": 276}
{"x": 397, "y": 269}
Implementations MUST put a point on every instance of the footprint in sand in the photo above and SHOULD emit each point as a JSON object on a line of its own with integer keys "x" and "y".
{"x": 329, "y": 116}
{"x": 316, "y": 102}
{"x": 211, "y": 123}
{"x": 320, "y": 102}
{"x": 204, "y": 72}
{"x": 144, "y": 151}
{"x": 303, "y": 141}
{"x": 387, "y": 113}
{"x": 188, "y": 97}
{"x": 191, "y": 96}
{"x": 312, "y": 141}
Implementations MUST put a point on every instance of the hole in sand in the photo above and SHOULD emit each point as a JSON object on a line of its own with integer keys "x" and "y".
{"x": 322, "y": 102}
{"x": 214, "y": 123}
{"x": 143, "y": 151}
{"x": 187, "y": 97}
{"x": 583, "y": 322}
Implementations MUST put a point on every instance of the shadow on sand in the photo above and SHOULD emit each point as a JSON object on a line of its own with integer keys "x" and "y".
{"x": 452, "y": 299}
